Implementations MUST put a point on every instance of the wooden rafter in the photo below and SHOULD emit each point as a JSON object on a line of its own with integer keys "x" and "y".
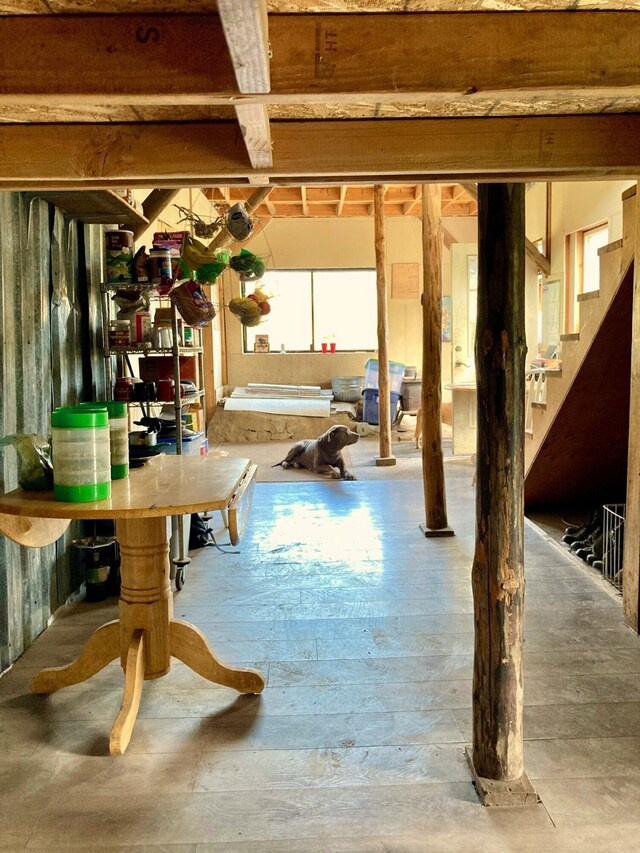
{"x": 206, "y": 153}
{"x": 343, "y": 195}
{"x": 410, "y": 206}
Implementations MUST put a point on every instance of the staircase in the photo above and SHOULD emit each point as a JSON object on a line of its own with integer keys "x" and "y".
{"x": 576, "y": 439}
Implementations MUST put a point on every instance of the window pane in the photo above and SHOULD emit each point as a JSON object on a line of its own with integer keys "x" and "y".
{"x": 289, "y": 322}
{"x": 594, "y": 239}
{"x": 345, "y": 309}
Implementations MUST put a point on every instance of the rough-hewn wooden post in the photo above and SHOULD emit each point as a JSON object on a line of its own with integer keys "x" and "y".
{"x": 384, "y": 402}
{"x": 432, "y": 462}
{"x": 498, "y": 569}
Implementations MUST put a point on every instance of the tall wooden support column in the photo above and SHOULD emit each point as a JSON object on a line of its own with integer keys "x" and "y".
{"x": 432, "y": 462}
{"x": 631, "y": 588}
{"x": 498, "y": 568}
{"x": 384, "y": 400}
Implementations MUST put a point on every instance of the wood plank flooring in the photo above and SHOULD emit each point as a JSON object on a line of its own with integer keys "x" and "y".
{"x": 364, "y": 630}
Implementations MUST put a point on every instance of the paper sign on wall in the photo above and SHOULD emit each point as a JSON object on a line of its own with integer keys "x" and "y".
{"x": 405, "y": 281}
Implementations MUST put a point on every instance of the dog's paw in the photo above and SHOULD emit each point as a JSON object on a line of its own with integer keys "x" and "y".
{"x": 335, "y": 475}
{"x": 348, "y": 476}
{"x": 286, "y": 465}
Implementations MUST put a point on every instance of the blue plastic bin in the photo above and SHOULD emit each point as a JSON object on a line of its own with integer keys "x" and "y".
{"x": 396, "y": 375}
{"x": 370, "y": 406}
{"x": 192, "y": 445}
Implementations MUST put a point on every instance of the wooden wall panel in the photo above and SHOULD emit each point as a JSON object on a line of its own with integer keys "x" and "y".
{"x": 41, "y": 357}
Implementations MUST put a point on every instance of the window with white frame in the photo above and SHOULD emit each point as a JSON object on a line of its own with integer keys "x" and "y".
{"x": 310, "y": 308}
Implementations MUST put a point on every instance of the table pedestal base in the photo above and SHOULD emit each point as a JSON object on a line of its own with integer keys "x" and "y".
{"x": 146, "y": 636}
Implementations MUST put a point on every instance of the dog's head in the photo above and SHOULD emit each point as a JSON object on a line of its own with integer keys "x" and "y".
{"x": 337, "y": 437}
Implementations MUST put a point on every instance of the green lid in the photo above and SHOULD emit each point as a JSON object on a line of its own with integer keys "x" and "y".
{"x": 76, "y": 417}
{"x": 115, "y": 408}
{"x": 91, "y": 407}
{"x": 119, "y": 472}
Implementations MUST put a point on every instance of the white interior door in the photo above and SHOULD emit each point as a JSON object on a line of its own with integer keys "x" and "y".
{"x": 464, "y": 291}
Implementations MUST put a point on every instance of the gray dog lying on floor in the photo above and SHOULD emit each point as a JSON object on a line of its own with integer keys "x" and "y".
{"x": 322, "y": 455}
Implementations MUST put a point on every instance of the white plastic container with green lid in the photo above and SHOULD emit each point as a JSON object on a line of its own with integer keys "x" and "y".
{"x": 81, "y": 453}
{"x": 118, "y": 434}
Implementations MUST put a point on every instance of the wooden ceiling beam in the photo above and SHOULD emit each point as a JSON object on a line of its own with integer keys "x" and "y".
{"x": 362, "y": 58}
{"x": 206, "y": 153}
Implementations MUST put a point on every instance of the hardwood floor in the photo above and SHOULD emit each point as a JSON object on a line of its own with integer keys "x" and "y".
{"x": 364, "y": 632}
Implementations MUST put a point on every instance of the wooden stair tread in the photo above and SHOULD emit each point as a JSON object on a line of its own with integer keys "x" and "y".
{"x": 591, "y": 294}
{"x": 570, "y": 336}
{"x": 610, "y": 247}
{"x": 535, "y": 405}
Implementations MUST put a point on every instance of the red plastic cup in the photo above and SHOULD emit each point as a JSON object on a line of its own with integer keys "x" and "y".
{"x": 324, "y": 347}
{"x": 332, "y": 346}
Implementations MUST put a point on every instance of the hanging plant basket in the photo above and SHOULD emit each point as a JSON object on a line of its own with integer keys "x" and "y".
{"x": 248, "y": 266}
{"x": 206, "y": 229}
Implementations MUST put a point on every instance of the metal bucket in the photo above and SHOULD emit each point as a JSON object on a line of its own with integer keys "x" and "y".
{"x": 347, "y": 389}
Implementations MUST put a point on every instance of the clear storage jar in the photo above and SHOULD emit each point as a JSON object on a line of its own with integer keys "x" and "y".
{"x": 118, "y": 434}
{"x": 81, "y": 453}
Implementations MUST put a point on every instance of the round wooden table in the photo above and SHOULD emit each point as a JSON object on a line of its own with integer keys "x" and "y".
{"x": 146, "y": 635}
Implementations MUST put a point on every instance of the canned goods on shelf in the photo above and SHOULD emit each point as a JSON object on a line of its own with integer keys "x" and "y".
{"x": 120, "y": 333}
{"x": 119, "y": 256}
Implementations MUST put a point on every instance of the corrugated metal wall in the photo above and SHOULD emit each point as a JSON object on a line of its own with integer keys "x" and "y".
{"x": 49, "y": 318}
